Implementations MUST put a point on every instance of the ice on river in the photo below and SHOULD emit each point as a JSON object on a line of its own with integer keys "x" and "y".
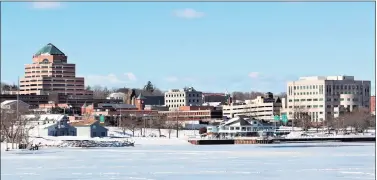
{"x": 324, "y": 161}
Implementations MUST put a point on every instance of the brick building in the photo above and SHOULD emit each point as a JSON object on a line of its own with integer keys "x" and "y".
{"x": 50, "y": 72}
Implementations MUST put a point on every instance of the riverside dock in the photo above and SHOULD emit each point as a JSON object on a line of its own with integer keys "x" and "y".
{"x": 280, "y": 140}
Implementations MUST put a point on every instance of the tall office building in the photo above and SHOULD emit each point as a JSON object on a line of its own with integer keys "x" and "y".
{"x": 51, "y": 73}
{"x": 319, "y": 95}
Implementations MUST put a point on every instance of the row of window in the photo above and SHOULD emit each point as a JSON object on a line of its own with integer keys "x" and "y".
{"x": 344, "y": 86}
{"x": 297, "y": 100}
{"x": 182, "y": 100}
{"x": 47, "y": 71}
{"x": 328, "y": 99}
{"x": 183, "y": 95}
{"x": 55, "y": 75}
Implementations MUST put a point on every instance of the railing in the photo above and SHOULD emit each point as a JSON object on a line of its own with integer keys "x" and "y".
{"x": 231, "y": 138}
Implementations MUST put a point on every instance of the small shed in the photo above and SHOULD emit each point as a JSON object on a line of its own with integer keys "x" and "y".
{"x": 89, "y": 128}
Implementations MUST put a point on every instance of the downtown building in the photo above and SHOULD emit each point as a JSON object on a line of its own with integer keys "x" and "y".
{"x": 51, "y": 74}
{"x": 187, "y": 96}
{"x": 321, "y": 97}
{"x": 261, "y": 108}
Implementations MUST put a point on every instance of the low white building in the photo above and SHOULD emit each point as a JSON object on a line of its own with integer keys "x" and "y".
{"x": 242, "y": 126}
{"x": 50, "y": 125}
{"x": 59, "y": 125}
{"x": 12, "y": 105}
{"x": 117, "y": 95}
{"x": 263, "y": 107}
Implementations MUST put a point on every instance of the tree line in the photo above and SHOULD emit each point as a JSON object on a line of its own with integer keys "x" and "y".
{"x": 134, "y": 123}
{"x": 358, "y": 120}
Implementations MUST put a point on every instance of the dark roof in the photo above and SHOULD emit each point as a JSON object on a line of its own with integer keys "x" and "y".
{"x": 117, "y": 106}
{"x": 50, "y": 49}
{"x": 154, "y": 100}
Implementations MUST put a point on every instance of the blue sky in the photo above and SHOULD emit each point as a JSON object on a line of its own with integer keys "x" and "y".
{"x": 211, "y": 46}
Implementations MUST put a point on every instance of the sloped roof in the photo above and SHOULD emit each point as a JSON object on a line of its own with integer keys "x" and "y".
{"x": 236, "y": 119}
{"x": 50, "y": 49}
{"x": 117, "y": 106}
{"x": 48, "y": 117}
{"x": 83, "y": 123}
{"x": 11, "y": 102}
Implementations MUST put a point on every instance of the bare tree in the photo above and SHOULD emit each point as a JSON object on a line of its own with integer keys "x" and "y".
{"x": 100, "y": 92}
{"x": 302, "y": 118}
{"x": 159, "y": 123}
{"x": 15, "y": 127}
{"x": 131, "y": 123}
{"x": 330, "y": 123}
{"x": 123, "y": 124}
{"x": 170, "y": 126}
{"x": 359, "y": 119}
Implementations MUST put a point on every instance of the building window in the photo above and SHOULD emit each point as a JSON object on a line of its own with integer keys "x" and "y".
{"x": 320, "y": 99}
{"x": 341, "y": 99}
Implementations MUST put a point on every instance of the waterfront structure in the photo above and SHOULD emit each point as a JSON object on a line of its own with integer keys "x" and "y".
{"x": 317, "y": 96}
{"x": 241, "y": 126}
{"x": 187, "y": 96}
{"x": 263, "y": 107}
{"x": 50, "y": 72}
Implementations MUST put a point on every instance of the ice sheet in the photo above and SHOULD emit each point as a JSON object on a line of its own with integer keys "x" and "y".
{"x": 329, "y": 161}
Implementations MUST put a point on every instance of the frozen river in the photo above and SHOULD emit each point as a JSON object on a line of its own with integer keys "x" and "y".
{"x": 325, "y": 161}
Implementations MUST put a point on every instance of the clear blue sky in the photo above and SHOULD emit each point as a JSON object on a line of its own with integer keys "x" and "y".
{"x": 211, "y": 46}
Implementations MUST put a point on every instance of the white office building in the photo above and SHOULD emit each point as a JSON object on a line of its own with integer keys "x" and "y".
{"x": 176, "y": 98}
{"x": 319, "y": 96}
{"x": 263, "y": 107}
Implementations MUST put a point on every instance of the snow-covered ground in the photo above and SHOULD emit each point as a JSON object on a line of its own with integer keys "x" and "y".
{"x": 116, "y": 132}
{"x": 324, "y": 161}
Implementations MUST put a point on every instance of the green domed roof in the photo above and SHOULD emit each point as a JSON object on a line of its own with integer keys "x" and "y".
{"x": 50, "y": 49}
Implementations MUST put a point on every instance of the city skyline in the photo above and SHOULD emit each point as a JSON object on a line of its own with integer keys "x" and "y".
{"x": 194, "y": 44}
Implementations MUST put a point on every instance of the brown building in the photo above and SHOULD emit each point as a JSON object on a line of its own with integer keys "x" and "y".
{"x": 373, "y": 104}
{"x": 33, "y": 100}
{"x": 50, "y": 72}
{"x": 194, "y": 113}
